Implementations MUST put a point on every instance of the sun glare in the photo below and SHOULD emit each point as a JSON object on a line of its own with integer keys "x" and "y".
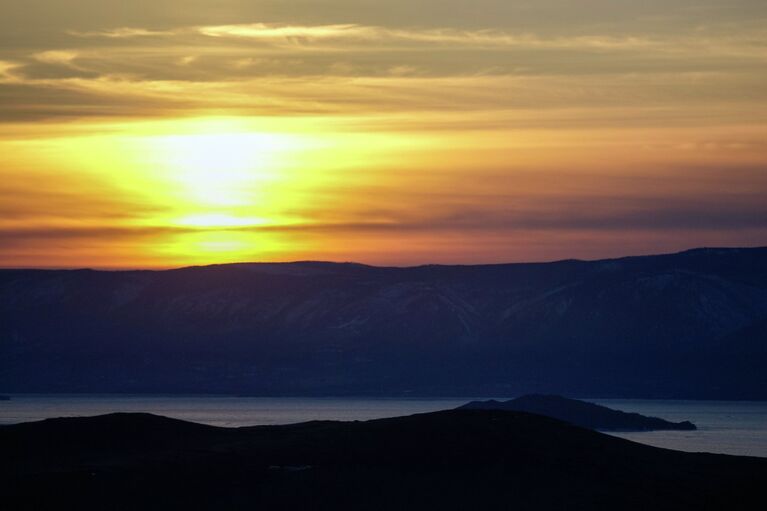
{"x": 212, "y": 190}
{"x": 220, "y": 178}
{"x": 221, "y": 168}
{"x": 220, "y": 220}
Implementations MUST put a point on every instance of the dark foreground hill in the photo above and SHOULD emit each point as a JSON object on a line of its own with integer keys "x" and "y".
{"x": 580, "y": 413}
{"x": 461, "y": 459}
{"x": 687, "y": 325}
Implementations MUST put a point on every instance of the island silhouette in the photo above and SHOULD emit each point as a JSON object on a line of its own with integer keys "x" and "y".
{"x": 581, "y": 413}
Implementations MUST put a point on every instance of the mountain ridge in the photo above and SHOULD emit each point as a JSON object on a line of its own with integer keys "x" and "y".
{"x": 646, "y": 326}
{"x": 393, "y": 267}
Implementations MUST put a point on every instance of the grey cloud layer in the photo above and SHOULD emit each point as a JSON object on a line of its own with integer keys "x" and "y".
{"x": 281, "y": 59}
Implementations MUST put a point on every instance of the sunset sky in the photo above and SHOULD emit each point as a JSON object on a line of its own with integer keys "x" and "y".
{"x": 175, "y": 132}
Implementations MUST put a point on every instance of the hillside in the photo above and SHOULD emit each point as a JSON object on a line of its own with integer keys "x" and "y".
{"x": 682, "y": 325}
{"x": 443, "y": 460}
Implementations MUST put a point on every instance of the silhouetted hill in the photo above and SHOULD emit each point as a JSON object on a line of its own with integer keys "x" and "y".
{"x": 580, "y": 413}
{"x": 687, "y": 325}
{"x": 445, "y": 460}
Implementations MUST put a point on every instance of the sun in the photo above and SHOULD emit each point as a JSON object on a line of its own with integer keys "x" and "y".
{"x": 218, "y": 164}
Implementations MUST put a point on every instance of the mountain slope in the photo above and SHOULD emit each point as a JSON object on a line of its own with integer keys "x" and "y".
{"x": 654, "y": 326}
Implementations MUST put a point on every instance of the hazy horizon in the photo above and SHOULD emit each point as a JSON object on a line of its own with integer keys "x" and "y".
{"x": 479, "y": 263}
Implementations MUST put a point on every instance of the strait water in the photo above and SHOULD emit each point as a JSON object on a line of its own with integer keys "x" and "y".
{"x": 729, "y": 427}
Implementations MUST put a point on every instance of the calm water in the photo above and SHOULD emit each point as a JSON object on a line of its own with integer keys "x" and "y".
{"x": 731, "y": 427}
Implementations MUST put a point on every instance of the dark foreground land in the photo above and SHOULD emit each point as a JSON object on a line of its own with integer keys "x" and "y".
{"x": 460, "y": 459}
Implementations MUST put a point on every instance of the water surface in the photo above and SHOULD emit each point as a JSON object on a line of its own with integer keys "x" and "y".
{"x": 729, "y": 427}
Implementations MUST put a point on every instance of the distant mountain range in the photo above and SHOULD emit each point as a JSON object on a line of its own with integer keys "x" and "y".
{"x": 686, "y": 325}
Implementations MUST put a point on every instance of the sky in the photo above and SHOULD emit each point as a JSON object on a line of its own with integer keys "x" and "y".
{"x": 165, "y": 133}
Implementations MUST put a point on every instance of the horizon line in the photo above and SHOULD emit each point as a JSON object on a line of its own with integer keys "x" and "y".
{"x": 356, "y": 263}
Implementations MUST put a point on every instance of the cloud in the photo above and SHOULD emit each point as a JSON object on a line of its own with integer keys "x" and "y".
{"x": 123, "y": 33}
{"x": 171, "y": 61}
{"x": 296, "y": 35}
{"x": 60, "y": 57}
{"x": 644, "y": 216}
{"x": 7, "y": 74}
{"x": 356, "y": 36}
{"x": 289, "y": 32}
{"x": 269, "y": 68}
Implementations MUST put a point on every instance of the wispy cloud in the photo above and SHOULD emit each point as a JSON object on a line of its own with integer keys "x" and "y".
{"x": 349, "y": 34}
{"x": 346, "y": 68}
{"x": 123, "y": 33}
{"x": 7, "y": 68}
{"x": 351, "y": 37}
{"x": 289, "y": 32}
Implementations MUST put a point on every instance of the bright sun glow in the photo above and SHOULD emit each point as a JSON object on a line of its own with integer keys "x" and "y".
{"x": 216, "y": 173}
{"x": 213, "y": 190}
{"x": 222, "y": 169}
{"x": 223, "y": 178}
{"x": 220, "y": 220}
